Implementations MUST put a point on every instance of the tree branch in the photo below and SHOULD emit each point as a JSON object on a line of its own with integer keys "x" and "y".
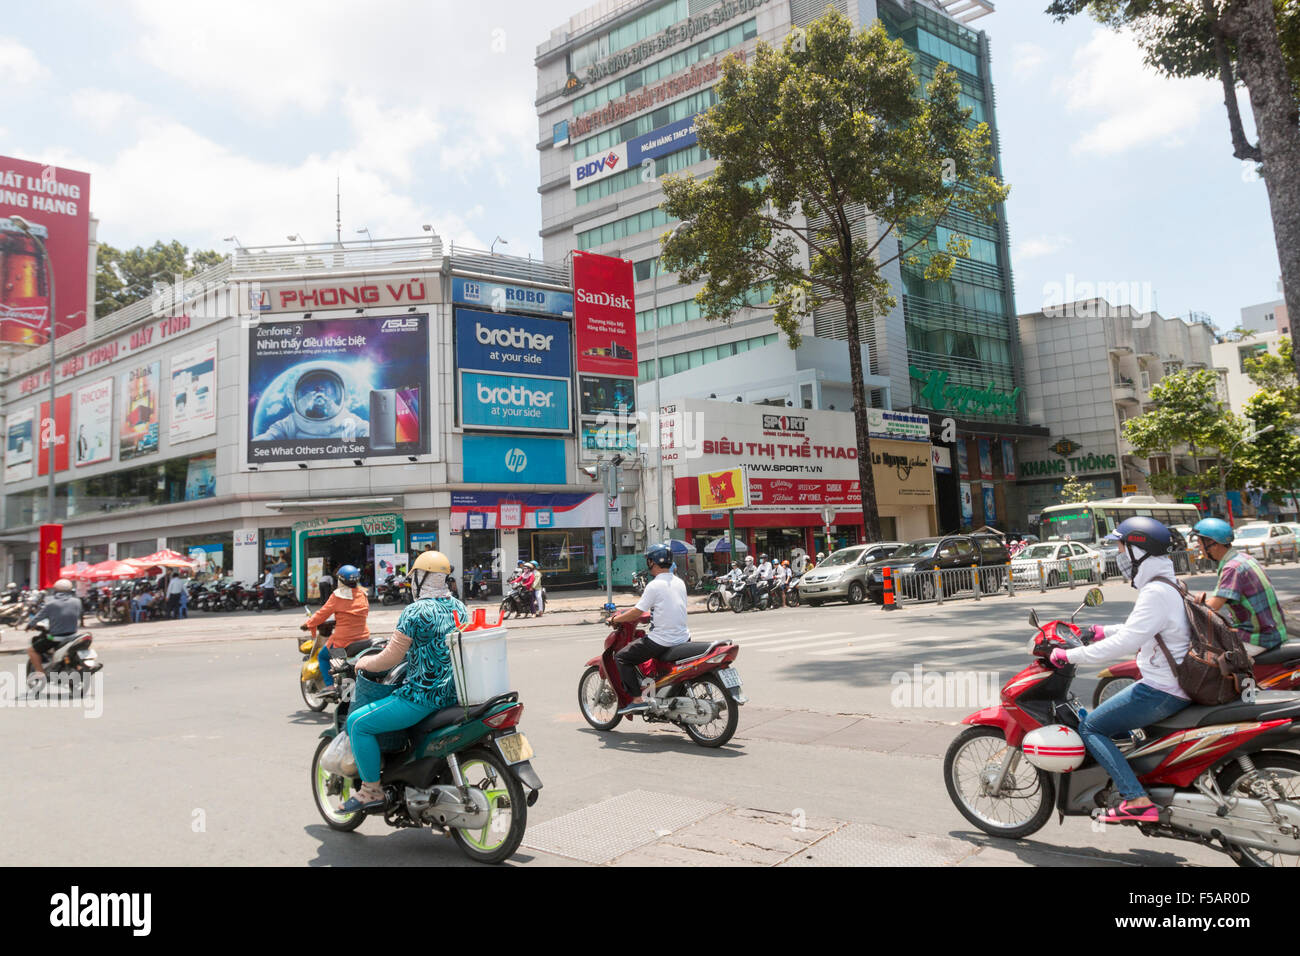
{"x": 1241, "y": 148}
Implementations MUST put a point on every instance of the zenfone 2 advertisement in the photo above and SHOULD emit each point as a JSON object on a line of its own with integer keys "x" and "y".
{"x": 338, "y": 388}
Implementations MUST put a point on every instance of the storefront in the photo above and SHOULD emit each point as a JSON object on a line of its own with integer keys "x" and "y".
{"x": 328, "y": 543}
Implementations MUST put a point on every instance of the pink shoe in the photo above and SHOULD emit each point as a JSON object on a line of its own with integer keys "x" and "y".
{"x": 1126, "y": 814}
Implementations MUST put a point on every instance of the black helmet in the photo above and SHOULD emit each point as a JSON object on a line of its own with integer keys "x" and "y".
{"x": 762, "y": 557}
{"x": 660, "y": 555}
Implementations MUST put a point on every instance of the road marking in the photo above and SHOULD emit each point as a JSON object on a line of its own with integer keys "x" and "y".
{"x": 781, "y": 646}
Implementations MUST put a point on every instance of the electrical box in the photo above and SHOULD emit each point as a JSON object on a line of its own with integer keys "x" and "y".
{"x": 626, "y": 539}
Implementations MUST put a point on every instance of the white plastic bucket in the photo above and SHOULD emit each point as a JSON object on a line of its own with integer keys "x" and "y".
{"x": 479, "y": 662}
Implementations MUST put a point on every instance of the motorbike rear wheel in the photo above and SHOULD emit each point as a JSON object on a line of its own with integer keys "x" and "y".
{"x": 976, "y": 756}
{"x": 597, "y": 700}
{"x": 1283, "y": 770}
{"x": 714, "y": 602}
{"x": 718, "y": 731}
{"x": 1107, "y": 688}
{"x": 313, "y": 694}
{"x": 485, "y": 771}
{"x": 328, "y": 803}
{"x": 506, "y": 608}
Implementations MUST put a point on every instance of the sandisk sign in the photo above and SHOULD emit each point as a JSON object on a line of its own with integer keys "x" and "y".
{"x": 595, "y": 168}
{"x": 604, "y": 314}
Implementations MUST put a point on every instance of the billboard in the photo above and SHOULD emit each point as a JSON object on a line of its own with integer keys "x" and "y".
{"x": 138, "y": 429}
{"x": 514, "y": 402}
{"x": 514, "y": 460}
{"x": 56, "y": 204}
{"x": 95, "y": 423}
{"x": 500, "y": 297}
{"x": 62, "y": 425}
{"x": 722, "y": 489}
{"x": 201, "y": 477}
{"x": 339, "y": 388}
{"x": 607, "y": 396}
{"x": 604, "y": 314}
{"x": 20, "y": 445}
{"x": 662, "y": 141}
{"x": 515, "y": 371}
{"x": 194, "y": 394}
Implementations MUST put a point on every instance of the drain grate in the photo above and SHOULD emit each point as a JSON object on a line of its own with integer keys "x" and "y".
{"x": 606, "y": 830}
{"x": 862, "y": 844}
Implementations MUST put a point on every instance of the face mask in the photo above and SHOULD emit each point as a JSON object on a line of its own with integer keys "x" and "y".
{"x": 1125, "y": 563}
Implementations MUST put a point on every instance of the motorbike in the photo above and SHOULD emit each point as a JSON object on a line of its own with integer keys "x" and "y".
{"x": 315, "y": 694}
{"x": 518, "y": 601}
{"x": 721, "y": 598}
{"x": 476, "y": 590}
{"x": 792, "y": 591}
{"x": 638, "y": 583}
{"x": 1221, "y": 776}
{"x": 755, "y": 594}
{"x": 462, "y": 771}
{"x": 1278, "y": 669}
{"x": 70, "y": 655}
{"x": 395, "y": 590}
{"x": 693, "y": 686}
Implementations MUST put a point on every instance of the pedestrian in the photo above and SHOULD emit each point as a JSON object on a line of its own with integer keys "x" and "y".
{"x": 268, "y": 589}
{"x": 326, "y": 584}
{"x": 185, "y": 601}
{"x": 175, "y": 586}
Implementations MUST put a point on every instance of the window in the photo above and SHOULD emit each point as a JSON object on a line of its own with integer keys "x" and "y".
{"x": 671, "y": 113}
{"x": 1146, "y": 381}
{"x": 1158, "y": 465}
{"x": 622, "y": 228}
{"x": 1248, "y": 353}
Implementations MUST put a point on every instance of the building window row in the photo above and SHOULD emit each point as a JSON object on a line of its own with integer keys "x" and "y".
{"x": 682, "y": 361}
{"x": 950, "y": 53}
{"x": 678, "y": 110}
{"x": 688, "y": 310}
{"x": 629, "y": 34}
{"x": 635, "y": 175}
{"x": 622, "y": 228}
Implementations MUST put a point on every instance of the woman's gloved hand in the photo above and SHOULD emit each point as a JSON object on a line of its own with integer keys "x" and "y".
{"x": 1058, "y": 658}
{"x": 1092, "y": 634}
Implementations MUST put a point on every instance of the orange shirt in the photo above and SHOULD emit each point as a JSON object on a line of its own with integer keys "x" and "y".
{"x": 349, "y": 617}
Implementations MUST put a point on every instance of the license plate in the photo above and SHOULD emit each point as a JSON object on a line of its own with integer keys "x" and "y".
{"x": 515, "y": 748}
{"x": 89, "y": 655}
{"x": 730, "y": 677}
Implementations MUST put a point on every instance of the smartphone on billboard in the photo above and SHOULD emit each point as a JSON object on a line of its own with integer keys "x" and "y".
{"x": 408, "y": 416}
{"x": 383, "y": 419}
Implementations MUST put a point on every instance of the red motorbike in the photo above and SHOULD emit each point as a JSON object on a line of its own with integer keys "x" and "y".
{"x": 1220, "y": 775}
{"x": 693, "y": 686}
{"x": 1278, "y": 669}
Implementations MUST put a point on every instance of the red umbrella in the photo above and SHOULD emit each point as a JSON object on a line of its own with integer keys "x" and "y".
{"x": 162, "y": 559}
{"x": 111, "y": 569}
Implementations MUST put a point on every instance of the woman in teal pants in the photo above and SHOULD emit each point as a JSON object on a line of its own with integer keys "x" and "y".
{"x": 420, "y": 638}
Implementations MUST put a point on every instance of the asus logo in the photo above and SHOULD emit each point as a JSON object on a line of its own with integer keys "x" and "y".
{"x": 400, "y": 325}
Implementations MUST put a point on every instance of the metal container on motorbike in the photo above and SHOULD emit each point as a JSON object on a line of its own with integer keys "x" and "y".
{"x": 1055, "y": 748}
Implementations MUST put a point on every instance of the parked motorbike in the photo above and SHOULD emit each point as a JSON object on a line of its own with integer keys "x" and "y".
{"x": 476, "y": 590}
{"x": 792, "y": 591}
{"x": 693, "y": 686}
{"x": 391, "y": 590}
{"x": 638, "y": 583}
{"x": 754, "y": 595}
{"x": 721, "y": 598}
{"x": 465, "y": 772}
{"x": 1278, "y": 669}
{"x": 71, "y": 656}
{"x": 1220, "y": 775}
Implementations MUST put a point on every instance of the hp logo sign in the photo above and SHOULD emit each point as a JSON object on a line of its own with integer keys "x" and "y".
{"x": 516, "y": 460}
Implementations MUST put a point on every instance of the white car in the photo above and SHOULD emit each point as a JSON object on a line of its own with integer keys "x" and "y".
{"x": 1059, "y": 560}
{"x": 1263, "y": 540}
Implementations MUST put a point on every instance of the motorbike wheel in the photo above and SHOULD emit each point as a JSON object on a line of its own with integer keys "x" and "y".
{"x": 741, "y": 602}
{"x": 597, "y": 700}
{"x": 714, "y": 603}
{"x": 977, "y": 752}
{"x": 792, "y": 598}
{"x": 36, "y": 683}
{"x": 320, "y": 782}
{"x": 483, "y": 770}
{"x": 1284, "y": 771}
{"x": 718, "y": 731}
{"x": 104, "y": 614}
{"x": 505, "y": 610}
{"x": 1108, "y": 687}
{"x": 313, "y": 694}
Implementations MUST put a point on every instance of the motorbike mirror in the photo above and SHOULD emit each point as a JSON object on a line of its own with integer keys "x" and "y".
{"x": 1033, "y": 619}
{"x": 1094, "y": 598}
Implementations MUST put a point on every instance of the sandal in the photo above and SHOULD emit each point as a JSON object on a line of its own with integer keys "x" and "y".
{"x": 364, "y": 800}
{"x": 1125, "y": 813}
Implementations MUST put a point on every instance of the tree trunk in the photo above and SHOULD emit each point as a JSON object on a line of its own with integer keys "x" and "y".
{"x": 1262, "y": 66}
{"x": 867, "y": 480}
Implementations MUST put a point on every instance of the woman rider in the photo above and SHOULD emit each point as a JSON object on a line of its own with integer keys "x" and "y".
{"x": 350, "y": 607}
{"x": 420, "y": 638}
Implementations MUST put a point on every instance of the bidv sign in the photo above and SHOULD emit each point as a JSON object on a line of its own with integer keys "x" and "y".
{"x": 596, "y": 168}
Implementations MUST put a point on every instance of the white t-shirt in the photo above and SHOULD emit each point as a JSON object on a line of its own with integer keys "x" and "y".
{"x": 176, "y": 585}
{"x": 665, "y": 598}
{"x": 765, "y": 570}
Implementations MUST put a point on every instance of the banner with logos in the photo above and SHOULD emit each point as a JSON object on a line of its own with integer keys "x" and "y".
{"x": 900, "y": 426}
{"x": 606, "y": 396}
{"x": 990, "y": 505}
{"x": 20, "y": 445}
{"x": 1008, "y": 460}
{"x": 479, "y": 510}
{"x": 194, "y": 394}
{"x": 515, "y": 371}
{"x": 514, "y": 402}
{"x": 604, "y": 315}
{"x": 986, "y": 458}
{"x": 500, "y": 297}
{"x": 514, "y": 460}
{"x": 95, "y": 423}
{"x": 339, "y": 388}
{"x": 62, "y": 425}
{"x": 417, "y": 288}
{"x": 967, "y": 506}
{"x": 663, "y": 141}
{"x": 138, "y": 429}
{"x": 608, "y": 435}
{"x": 201, "y": 477}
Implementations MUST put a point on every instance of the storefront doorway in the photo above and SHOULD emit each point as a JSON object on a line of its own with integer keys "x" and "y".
{"x": 483, "y": 548}
{"x": 364, "y": 541}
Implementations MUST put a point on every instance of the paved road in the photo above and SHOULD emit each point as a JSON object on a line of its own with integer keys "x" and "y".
{"x": 201, "y": 751}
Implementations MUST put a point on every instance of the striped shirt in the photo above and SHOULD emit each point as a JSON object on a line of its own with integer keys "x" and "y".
{"x": 1252, "y": 602}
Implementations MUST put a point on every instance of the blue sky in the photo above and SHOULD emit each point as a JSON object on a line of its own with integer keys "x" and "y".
{"x": 199, "y": 122}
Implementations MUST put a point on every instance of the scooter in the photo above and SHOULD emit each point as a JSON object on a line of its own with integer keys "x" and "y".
{"x": 70, "y": 659}
{"x": 721, "y": 598}
{"x": 311, "y": 683}
{"x": 519, "y": 602}
{"x": 1278, "y": 669}
{"x": 464, "y": 771}
{"x": 1221, "y": 776}
{"x": 693, "y": 686}
{"x": 638, "y": 583}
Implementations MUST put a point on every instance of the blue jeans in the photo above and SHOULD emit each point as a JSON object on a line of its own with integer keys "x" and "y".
{"x": 391, "y": 713}
{"x": 324, "y": 659}
{"x": 1135, "y": 706}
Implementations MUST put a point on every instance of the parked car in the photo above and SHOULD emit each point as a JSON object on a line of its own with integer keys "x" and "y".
{"x": 1263, "y": 540}
{"x": 947, "y": 552}
{"x": 1060, "y": 560}
{"x": 842, "y": 574}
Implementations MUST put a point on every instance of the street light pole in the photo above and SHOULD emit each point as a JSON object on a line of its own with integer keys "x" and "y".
{"x": 26, "y": 227}
{"x": 654, "y": 315}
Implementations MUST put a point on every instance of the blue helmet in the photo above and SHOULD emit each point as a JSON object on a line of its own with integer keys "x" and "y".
{"x": 349, "y": 575}
{"x": 659, "y": 554}
{"x": 1216, "y": 529}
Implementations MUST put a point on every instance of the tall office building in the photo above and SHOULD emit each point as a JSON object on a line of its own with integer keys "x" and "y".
{"x": 619, "y": 85}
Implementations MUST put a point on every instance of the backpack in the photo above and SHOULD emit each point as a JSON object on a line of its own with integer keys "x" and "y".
{"x": 1217, "y": 666}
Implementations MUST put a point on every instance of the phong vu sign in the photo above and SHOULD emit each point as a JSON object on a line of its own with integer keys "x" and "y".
{"x": 604, "y": 314}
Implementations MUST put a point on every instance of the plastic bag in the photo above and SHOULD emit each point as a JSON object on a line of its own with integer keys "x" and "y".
{"x": 338, "y": 757}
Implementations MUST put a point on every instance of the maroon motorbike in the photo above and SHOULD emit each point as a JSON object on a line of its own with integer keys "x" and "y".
{"x": 1278, "y": 669}
{"x": 693, "y": 686}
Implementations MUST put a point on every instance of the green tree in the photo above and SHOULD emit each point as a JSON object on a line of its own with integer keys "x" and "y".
{"x": 1237, "y": 334}
{"x": 1275, "y": 372}
{"x": 1185, "y": 415}
{"x": 123, "y": 276}
{"x": 1271, "y": 460}
{"x": 808, "y": 137}
{"x": 1075, "y": 492}
{"x": 1255, "y": 42}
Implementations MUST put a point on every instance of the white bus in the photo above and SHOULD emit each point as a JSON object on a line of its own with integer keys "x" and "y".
{"x": 1091, "y": 521}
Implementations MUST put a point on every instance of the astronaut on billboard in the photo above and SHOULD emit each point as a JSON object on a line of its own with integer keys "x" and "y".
{"x": 319, "y": 409}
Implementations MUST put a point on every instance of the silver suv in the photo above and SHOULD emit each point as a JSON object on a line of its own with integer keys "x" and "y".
{"x": 843, "y": 574}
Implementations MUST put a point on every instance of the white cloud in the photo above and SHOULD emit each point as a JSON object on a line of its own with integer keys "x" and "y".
{"x": 1026, "y": 58}
{"x": 1133, "y": 105}
{"x": 19, "y": 66}
{"x": 1039, "y": 246}
{"x": 103, "y": 109}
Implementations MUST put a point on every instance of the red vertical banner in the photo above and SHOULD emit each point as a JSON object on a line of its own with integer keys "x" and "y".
{"x": 51, "y": 554}
{"x": 61, "y": 426}
{"x": 604, "y": 314}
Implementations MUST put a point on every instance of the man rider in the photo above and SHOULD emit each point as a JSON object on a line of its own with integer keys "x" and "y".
{"x": 63, "y": 612}
{"x": 664, "y": 598}
{"x": 1243, "y": 587}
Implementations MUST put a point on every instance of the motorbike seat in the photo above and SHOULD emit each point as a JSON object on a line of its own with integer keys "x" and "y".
{"x": 353, "y": 649}
{"x": 687, "y": 651}
{"x": 1284, "y": 707}
{"x": 1286, "y": 654}
{"x": 456, "y": 714}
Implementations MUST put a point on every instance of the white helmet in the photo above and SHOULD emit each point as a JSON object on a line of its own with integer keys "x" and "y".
{"x": 1055, "y": 748}
{"x": 63, "y": 584}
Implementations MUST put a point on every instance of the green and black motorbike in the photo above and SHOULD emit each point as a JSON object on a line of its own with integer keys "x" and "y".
{"x": 464, "y": 771}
